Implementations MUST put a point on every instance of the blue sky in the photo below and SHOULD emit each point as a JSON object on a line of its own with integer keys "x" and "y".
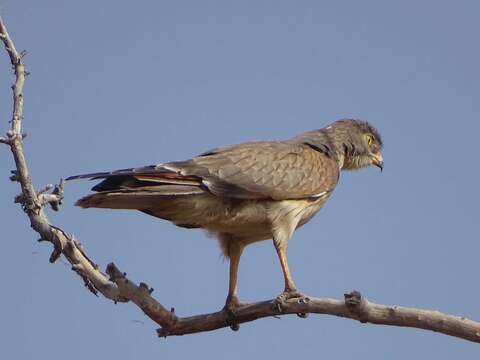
{"x": 118, "y": 84}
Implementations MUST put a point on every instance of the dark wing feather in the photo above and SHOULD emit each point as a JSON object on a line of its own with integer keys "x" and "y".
{"x": 149, "y": 169}
{"x": 146, "y": 177}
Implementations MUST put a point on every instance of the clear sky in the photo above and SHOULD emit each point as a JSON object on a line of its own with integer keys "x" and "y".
{"x": 117, "y": 84}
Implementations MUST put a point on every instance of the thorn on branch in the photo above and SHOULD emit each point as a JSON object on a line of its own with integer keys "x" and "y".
{"x": 14, "y": 176}
{"x": 145, "y": 288}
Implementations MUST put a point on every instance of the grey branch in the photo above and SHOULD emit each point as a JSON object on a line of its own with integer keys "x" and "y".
{"x": 117, "y": 287}
{"x": 33, "y": 201}
{"x": 353, "y": 306}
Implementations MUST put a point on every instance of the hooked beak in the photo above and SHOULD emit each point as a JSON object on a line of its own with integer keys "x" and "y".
{"x": 377, "y": 160}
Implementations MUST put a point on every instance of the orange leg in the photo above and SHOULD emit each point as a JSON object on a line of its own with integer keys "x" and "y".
{"x": 235, "y": 251}
{"x": 282, "y": 256}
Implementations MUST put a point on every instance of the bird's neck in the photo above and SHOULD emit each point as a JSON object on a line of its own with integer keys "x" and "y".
{"x": 329, "y": 142}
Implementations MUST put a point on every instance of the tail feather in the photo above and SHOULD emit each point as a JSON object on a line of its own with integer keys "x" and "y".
{"x": 149, "y": 169}
{"x": 159, "y": 190}
{"x": 138, "y": 178}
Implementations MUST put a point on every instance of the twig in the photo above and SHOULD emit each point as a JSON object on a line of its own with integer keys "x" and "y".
{"x": 120, "y": 289}
{"x": 33, "y": 202}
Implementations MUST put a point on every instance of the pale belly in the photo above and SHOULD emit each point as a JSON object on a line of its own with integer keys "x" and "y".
{"x": 250, "y": 220}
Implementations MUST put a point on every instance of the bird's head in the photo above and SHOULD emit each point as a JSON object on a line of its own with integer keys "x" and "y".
{"x": 357, "y": 143}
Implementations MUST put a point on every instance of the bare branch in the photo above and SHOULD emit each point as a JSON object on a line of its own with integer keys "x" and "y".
{"x": 354, "y": 306}
{"x": 33, "y": 202}
{"x": 120, "y": 289}
{"x": 54, "y": 198}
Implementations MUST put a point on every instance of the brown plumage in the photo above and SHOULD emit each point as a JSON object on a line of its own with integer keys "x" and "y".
{"x": 244, "y": 193}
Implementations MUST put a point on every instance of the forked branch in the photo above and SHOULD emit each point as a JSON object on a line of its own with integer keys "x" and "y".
{"x": 118, "y": 288}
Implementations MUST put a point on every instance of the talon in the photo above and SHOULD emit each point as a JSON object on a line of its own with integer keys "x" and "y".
{"x": 231, "y": 306}
{"x": 288, "y": 295}
{"x": 277, "y": 306}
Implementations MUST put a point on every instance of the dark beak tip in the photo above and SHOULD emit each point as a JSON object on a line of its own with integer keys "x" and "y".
{"x": 379, "y": 164}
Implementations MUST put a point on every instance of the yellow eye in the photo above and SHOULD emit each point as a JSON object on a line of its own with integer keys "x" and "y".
{"x": 370, "y": 139}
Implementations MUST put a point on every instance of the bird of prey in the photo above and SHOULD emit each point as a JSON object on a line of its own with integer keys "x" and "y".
{"x": 247, "y": 192}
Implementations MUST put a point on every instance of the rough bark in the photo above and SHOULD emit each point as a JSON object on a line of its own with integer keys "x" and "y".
{"x": 117, "y": 287}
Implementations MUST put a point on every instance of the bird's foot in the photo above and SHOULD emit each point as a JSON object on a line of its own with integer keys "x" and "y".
{"x": 289, "y": 296}
{"x": 231, "y": 306}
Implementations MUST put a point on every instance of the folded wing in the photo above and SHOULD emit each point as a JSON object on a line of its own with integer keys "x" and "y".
{"x": 259, "y": 170}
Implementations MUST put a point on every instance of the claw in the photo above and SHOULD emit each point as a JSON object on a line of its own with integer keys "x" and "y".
{"x": 231, "y": 306}
{"x": 287, "y": 295}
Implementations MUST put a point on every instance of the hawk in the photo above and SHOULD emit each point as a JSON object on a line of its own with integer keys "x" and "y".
{"x": 247, "y": 192}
